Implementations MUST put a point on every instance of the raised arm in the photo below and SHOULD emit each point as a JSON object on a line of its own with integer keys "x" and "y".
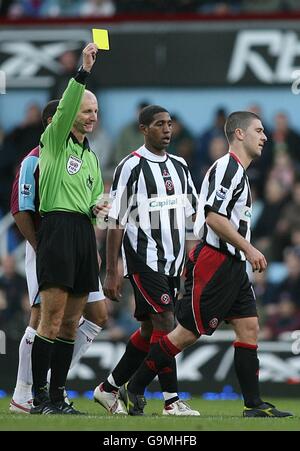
{"x": 62, "y": 122}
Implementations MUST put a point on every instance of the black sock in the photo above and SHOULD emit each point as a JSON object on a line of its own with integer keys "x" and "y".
{"x": 159, "y": 359}
{"x": 60, "y": 364}
{"x": 40, "y": 357}
{"x": 136, "y": 350}
{"x": 170, "y": 401}
{"x": 247, "y": 367}
{"x": 167, "y": 377}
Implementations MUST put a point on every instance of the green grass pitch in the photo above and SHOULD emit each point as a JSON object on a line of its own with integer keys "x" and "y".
{"x": 215, "y": 416}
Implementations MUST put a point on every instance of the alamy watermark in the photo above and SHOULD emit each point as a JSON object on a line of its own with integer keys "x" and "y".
{"x": 2, "y": 82}
{"x": 158, "y": 212}
{"x": 2, "y": 342}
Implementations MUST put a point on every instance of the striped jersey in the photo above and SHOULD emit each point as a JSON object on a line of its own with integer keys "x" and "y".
{"x": 225, "y": 190}
{"x": 151, "y": 197}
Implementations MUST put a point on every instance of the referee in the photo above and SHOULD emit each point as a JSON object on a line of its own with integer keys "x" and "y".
{"x": 67, "y": 267}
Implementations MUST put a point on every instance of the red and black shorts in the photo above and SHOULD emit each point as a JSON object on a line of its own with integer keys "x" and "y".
{"x": 154, "y": 293}
{"x": 67, "y": 253}
{"x": 217, "y": 288}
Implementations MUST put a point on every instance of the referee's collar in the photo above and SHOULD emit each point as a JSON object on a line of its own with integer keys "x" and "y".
{"x": 85, "y": 144}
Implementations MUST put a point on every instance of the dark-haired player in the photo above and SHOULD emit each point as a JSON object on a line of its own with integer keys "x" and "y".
{"x": 152, "y": 194}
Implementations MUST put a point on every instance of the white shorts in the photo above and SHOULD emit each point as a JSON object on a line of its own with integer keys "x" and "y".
{"x": 32, "y": 283}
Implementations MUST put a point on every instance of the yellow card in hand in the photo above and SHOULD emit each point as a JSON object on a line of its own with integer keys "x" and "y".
{"x": 100, "y": 38}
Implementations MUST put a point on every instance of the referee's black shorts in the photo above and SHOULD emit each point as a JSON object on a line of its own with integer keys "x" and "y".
{"x": 154, "y": 293}
{"x": 67, "y": 253}
{"x": 217, "y": 288}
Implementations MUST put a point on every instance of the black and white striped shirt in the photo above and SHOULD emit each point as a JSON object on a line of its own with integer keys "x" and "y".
{"x": 225, "y": 190}
{"x": 151, "y": 198}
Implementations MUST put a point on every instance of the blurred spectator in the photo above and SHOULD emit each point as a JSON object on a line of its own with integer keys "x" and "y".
{"x": 183, "y": 145}
{"x": 285, "y": 138}
{"x": 288, "y": 222}
{"x": 96, "y": 8}
{"x": 15, "y": 145}
{"x": 218, "y": 7}
{"x": 259, "y": 168}
{"x": 217, "y": 147}
{"x": 295, "y": 236}
{"x": 203, "y": 142}
{"x": 101, "y": 144}
{"x": 283, "y": 170}
{"x": 275, "y": 198}
{"x": 292, "y": 5}
{"x": 265, "y": 291}
{"x": 130, "y": 138}
{"x": 258, "y": 6}
{"x": 286, "y": 318}
{"x": 69, "y": 66}
{"x": 5, "y": 6}
{"x": 21, "y": 8}
{"x": 284, "y": 314}
{"x": 13, "y": 290}
{"x": 289, "y": 287}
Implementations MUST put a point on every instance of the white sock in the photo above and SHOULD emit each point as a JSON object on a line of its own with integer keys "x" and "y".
{"x": 86, "y": 333}
{"x": 22, "y": 392}
{"x": 168, "y": 395}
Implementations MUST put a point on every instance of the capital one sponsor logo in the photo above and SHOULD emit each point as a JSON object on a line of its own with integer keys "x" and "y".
{"x": 166, "y": 202}
{"x": 30, "y": 58}
{"x": 270, "y": 55}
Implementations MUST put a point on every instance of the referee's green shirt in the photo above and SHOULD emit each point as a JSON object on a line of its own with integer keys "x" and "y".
{"x": 70, "y": 177}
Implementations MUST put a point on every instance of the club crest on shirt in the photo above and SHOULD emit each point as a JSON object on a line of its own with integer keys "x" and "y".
{"x": 213, "y": 323}
{"x": 169, "y": 185}
{"x": 165, "y": 298}
{"x": 73, "y": 165}
{"x": 221, "y": 193}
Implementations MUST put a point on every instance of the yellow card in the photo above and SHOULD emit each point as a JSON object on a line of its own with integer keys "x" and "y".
{"x": 100, "y": 38}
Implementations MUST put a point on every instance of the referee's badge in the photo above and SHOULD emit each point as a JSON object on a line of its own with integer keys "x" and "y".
{"x": 73, "y": 165}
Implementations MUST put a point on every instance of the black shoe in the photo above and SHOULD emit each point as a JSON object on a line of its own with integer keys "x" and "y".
{"x": 44, "y": 408}
{"x": 264, "y": 410}
{"x": 66, "y": 409}
{"x": 134, "y": 403}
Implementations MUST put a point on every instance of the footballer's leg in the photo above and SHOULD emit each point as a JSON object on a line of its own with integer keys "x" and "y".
{"x": 247, "y": 369}
{"x": 21, "y": 401}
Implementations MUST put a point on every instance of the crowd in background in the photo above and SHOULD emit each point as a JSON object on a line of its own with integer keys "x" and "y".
{"x": 274, "y": 178}
{"x": 275, "y": 181}
{"x": 108, "y": 8}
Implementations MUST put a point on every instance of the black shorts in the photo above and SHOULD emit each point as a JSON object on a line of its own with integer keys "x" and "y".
{"x": 217, "y": 288}
{"x": 154, "y": 293}
{"x": 67, "y": 253}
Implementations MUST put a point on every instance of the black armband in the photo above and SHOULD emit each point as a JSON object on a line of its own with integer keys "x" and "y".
{"x": 82, "y": 76}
